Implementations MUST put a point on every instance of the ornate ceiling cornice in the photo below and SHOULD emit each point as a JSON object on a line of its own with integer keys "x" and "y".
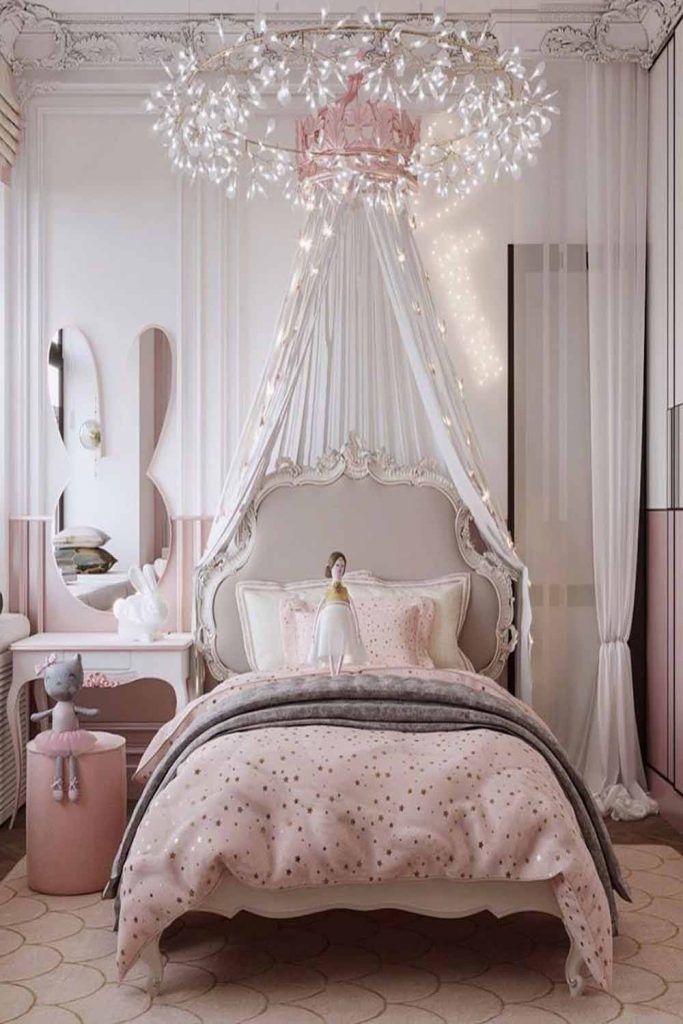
{"x": 606, "y": 37}
{"x": 35, "y": 38}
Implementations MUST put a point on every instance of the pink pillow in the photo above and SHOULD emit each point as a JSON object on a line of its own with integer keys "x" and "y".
{"x": 395, "y": 631}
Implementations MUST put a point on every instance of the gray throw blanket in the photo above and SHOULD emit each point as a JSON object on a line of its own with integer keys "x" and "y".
{"x": 386, "y": 701}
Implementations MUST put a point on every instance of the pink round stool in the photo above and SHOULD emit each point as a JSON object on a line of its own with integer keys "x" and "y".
{"x": 70, "y": 846}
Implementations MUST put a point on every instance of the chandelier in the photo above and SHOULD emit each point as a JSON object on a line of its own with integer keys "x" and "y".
{"x": 364, "y": 80}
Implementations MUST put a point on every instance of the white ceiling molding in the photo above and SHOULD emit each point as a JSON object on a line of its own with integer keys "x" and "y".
{"x": 33, "y": 38}
{"x": 628, "y": 30}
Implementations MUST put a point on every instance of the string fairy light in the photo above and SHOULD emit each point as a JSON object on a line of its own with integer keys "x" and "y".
{"x": 451, "y": 256}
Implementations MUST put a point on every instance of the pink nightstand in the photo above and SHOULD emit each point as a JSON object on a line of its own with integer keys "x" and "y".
{"x": 70, "y": 846}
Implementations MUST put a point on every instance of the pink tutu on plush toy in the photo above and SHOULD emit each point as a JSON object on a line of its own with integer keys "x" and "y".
{"x": 66, "y": 740}
{"x": 66, "y": 743}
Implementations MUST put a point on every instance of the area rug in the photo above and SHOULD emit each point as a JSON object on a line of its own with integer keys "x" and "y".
{"x": 57, "y": 964}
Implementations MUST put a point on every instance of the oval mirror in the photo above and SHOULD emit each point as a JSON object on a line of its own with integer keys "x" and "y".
{"x": 154, "y": 359}
{"x": 110, "y": 515}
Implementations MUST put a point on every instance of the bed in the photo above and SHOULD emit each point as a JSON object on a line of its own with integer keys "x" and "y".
{"x": 403, "y": 523}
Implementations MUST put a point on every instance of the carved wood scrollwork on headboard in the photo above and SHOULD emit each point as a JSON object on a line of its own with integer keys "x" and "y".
{"x": 356, "y": 462}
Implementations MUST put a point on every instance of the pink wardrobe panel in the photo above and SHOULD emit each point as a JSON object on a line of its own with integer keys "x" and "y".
{"x": 657, "y": 640}
{"x": 676, "y": 713}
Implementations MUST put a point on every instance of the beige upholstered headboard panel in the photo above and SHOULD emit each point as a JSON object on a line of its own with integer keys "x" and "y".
{"x": 396, "y": 530}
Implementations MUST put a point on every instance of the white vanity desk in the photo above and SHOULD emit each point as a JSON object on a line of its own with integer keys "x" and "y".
{"x": 107, "y": 661}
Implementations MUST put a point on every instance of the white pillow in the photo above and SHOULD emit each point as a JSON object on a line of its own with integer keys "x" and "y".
{"x": 80, "y": 537}
{"x": 258, "y": 603}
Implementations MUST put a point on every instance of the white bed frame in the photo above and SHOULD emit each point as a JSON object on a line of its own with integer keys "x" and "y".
{"x": 438, "y": 898}
{"x": 432, "y": 897}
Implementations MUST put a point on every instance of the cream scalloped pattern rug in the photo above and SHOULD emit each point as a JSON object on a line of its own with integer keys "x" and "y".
{"x": 57, "y": 964}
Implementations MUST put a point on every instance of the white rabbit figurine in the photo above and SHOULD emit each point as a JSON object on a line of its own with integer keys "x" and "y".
{"x": 142, "y": 615}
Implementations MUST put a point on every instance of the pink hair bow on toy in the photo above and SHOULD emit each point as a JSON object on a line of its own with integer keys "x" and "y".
{"x": 50, "y": 660}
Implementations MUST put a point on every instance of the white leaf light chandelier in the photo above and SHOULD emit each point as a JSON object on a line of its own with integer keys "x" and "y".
{"x": 365, "y": 80}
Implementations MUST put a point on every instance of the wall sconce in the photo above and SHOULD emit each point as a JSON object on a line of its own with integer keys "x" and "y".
{"x": 90, "y": 434}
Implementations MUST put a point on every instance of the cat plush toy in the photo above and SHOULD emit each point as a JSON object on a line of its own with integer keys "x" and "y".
{"x": 66, "y": 739}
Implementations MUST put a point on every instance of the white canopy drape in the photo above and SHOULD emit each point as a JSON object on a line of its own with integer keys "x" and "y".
{"x": 359, "y": 348}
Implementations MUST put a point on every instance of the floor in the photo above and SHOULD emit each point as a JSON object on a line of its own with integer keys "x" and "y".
{"x": 57, "y": 959}
{"x": 653, "y": 830}
{"x": 12, "y": 843}
{"x": 57, "y": 963}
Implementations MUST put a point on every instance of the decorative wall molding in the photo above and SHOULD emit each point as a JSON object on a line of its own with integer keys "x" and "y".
{"x": 35, "y": 38}
{"x": 659, "y": 18}
{"x": 27, "y": 88}
{"x": 612, "y": 35}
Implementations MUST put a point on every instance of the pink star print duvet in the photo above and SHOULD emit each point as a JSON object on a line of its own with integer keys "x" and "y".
{"x": 324, "y": 804}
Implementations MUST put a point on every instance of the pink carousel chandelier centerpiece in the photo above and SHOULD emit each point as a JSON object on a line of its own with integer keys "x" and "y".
{"x": 212, "y": 114}
{"x": 356, "y": 142}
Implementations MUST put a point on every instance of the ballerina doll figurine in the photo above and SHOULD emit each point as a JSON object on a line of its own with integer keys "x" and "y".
{"x": 66, "y": 739}
{"x": 336, "y": 635}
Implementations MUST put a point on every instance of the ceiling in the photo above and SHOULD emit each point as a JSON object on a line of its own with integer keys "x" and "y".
{"x": 140, "y": 8}
{"x": 83, "y": 33}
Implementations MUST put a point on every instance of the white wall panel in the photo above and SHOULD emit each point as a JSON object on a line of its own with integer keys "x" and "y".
{"x": 678, "y": 226}
{"x": 109, "y": 245}
{"x": 664, "y": 398}
{"x": 670, "y": 156}
{"x": 657, "y": 288}
{"x": 5, "y": 434}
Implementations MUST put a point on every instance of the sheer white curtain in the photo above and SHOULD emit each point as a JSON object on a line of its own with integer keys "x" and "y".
{"x": 616, "y": 169}
{"x": 552, "y": 485}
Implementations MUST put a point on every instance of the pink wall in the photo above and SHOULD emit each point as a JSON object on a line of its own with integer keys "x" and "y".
{"x": 676, "y": 684}
{"x": 657, "y": 641}
{"x": 163, "y": 377}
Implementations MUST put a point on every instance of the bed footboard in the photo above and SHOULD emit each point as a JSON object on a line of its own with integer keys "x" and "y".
{"x": 572, "y": 971}
{"x": 151, "y": 955}
{"x": 435, "y": 898}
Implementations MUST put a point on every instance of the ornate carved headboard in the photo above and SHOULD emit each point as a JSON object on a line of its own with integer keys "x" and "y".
{"x": 398, "y": 522}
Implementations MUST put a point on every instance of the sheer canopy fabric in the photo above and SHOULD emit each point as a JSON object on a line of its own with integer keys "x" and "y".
{"x": 616, "y": 206}
{"x": 359, "y": 348}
